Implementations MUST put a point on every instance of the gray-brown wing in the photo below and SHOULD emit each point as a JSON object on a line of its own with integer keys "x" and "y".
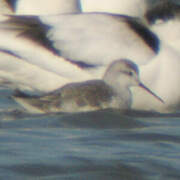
{"x": 90, "y": 93}
{"x": 95, "y": 94}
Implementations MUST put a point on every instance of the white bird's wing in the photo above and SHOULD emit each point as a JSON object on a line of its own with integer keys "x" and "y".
{"x": 89, "y": 38}
{"x": 19, "y": 74}
{"x": 99, "y": 38}
{"x": 28, "y": 44}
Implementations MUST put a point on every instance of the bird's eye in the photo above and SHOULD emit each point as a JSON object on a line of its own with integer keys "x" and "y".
{"x": 130, "y": 73}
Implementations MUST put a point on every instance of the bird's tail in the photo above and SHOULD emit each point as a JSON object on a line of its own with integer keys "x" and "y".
{"x": 29, "y": 102}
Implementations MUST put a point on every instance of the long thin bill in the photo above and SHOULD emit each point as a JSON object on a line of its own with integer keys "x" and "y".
{"x": 148, "y": 90}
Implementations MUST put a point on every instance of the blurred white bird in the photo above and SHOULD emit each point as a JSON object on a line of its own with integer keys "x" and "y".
{"x": 81, "y": 38}
{"x": 44, "y": 40}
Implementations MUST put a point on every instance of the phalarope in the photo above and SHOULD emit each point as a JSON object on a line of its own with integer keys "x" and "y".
{"x": 110, "y": 92}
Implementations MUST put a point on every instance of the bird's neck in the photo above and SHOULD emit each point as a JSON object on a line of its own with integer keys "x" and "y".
{"x": 118, "y": 84}
{"x": 122, "y": 92}
{"x": 124, "y": 97}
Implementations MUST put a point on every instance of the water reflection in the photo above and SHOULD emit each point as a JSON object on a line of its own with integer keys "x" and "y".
{"x": 95, "y": 145}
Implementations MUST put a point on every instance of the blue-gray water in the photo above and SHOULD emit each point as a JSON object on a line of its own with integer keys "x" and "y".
{"x": 92, "y": 146}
